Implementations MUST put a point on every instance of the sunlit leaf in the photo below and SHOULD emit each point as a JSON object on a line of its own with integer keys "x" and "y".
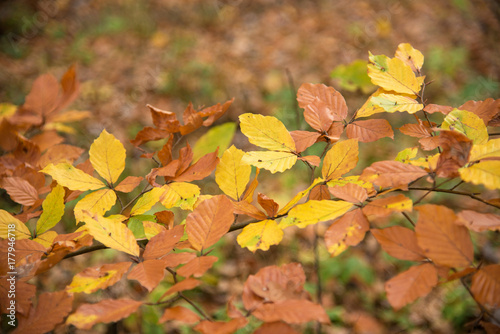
{"x": 260, "y": 235}
{"x": 231, "y": 174}
{"x": 107, "y": 155}
{"x": 347, "y": 231}
{"x": 219, "y": 136}
{"x": 340, "y": 159}
{"x": 53, "y": 210}
{"x": 72, "y": 178}
{"x": 313, "y": 212}
{"x": 98, "y": 202}
{"x": 266, "y": 132}
{"x": 467, "y": 123}
{"x": 486, "y": 173}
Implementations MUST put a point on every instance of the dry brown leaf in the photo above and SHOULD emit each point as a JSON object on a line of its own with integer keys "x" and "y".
{"x": 163, "y": 243}
{"x": 268, "y": 204}
{"x": 349, "y": 192}
{"x": 349, "y": 230}
{"x": 179, "y": 313}
{"x": 392, "y": 174}
{"x": 197, "y": 266}
{"x": 486, "y": 285}
{"x": 479, "y": 222}
{"x": 416, "y": 130}
{"x": 399, "y": 242}
{"x": 304, "y": 139}
{"x": 367, "y": 131}
{"x": 149, "y": 273}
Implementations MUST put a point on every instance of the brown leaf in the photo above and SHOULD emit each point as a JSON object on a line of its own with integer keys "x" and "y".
{"x": 399, "y": 242}
{"x": 201, "y": 169}
{"x": 292, "y": 311}
{"x": 43, "y": 97}
{"x": 19, "y": 190}
{"x": 149, "y": 273}
{"x": 485, "y": 285}
{"x": 185, "y": 158}
{"x": 197, "y": 266}
{"x": 311, "y": 159}
{"x": 179, "y": 313}
{"x": 460, "y": 274}
{"x": 220, "y": 327}
{"x": 455, "y": 153}
{"x": 164, "y": 120}
{"x": 392, "y": 174}
{"x": 410, "y": 285}
{"x": 275, "y": 328}
{"x": 163, "y": 243}
{"x": 24, "y": 294}
{"x": 349, "y": 230}
{"x": 108, "y": 310}
{"x": 27, "y": 152}
{"x": 129, "y": 184}
{"x": 304, "y": 139}
{"x": 479, "y": 222}
{"x": 60, "y": 153}
{"x": 215, "y": 112}
{"x": 441, "y": 239}
{"x": 245, "y": 208}
{"x": 320, "y": 192}
{"x": 149, "y": 134}
{"x": 335, "y": 131}
{"x": 165, "y": 154}
{"x": 51, "y": 310}
{"x": 433, "y": 108}
{"x": 209, "y": 221}
{"x": 335, "y": 102}
{"x": 429, "y": 143}
{"x": 382, "y": 207}
{"x": 416, "y": 130}
{"x": 486, "y": 109}
{"x": 319, "y": 116}
{"x": 369, "y": 130}
{"x": 9, "y": 138}
{"x": 349, "y": 192}
{"x": 70, "y": 88}
{"x": 187, "y": 284}
{"x": 192, "y": 120}
{"x": 166, "y": 218}
{"x": 172, "y": 260}
{"x": 268, "y": 204}
{"x": 47, "y": 139}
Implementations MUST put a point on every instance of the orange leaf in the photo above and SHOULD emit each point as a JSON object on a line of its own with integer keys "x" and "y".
{"x": 172, "y": 260}
{"x": 332, "y": 99}
{"x": 486, "y": 285}
{"x": 382, "y": 207}
{"x": 245, "y": 208}
{"x": 455, "y": 153}
{"x": 220, "y": 327}
{"x": 215, "y": 112}
{"x": 392, "y": 174}
{"x": 304, "y": 139}
{"x": 399, "y": 242}
{"x": 70, "y": 87}
{"x": 164, "y": 120}
{"x": 209, "y": 221}
{"x": 24, "y": 293}
{"x": 416, "y": 130}
{"x": 275, "y": 328}
{"x": 149, "y": 134}
{"x": 197, "y": 266}
{"x": 163, "y": 243}
{"x": 433, "y": 108}
{"x": 19, "y": 190}
{"x": 319, "y": 193}
{"x": 108, "y": 310}
{"x": 311, "y": 159}
{"x": 349, "y": 230}
{"x": 479, "y": 222}
{"x": 268, "y": 204}
{"x": 92, "y": 279}
{"x": 187, "y": 284}
{"x": 292, "y": 311}
{"x": 179, "y": 313}
{"x": 129, "y": 184}
{"x": 410, "y": 285}
{"x": 43, "y": 97}
{"x": 60, "y": 153}
{"x": 201, "y": 169}
{"x": 349, "y": 192}
{"x": 149, "y": 273}
{"x": 51, "y": 309}
{"x": 486, "y": 109}
{"x": 46, "y": 139}
{"x": 192, "y": 120}
{"x": 369, "y": 130}
{"x": 441, "y": 239}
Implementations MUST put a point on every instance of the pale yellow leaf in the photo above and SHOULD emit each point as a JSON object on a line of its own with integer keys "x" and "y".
{"x": 72, "y": 178}
{"x": 180, "y": 194}
{"x": 266, "y": 132}
{"x": 486, "y": 173}
{"x": 489, "y": 150}
{"x": 410, "y": 56}
{"x": 273, "y": 161}
{"x": 394, "y": 102}
{"x": 46, "y": 239}
{"x": 313, "y": 212}
{"x": 11, "y": 227}
{"x": 393, "y": 74}
{"x": 147, "y": 201}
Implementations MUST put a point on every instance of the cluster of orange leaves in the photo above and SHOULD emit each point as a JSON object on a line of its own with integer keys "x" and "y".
{"x": 439, "y": 242}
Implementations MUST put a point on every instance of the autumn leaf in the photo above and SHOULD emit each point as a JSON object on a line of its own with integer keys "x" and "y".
{"x": 111, "y": 233}
{"x": 219, "y": 136}
{"x": 107, "y": 310}
{"x": 486, "y": 110}
{"x": 179, "y": 313}
{"x": 304, "y": 139}
{"x": 72, "y": 178}
{"x": 443, "y": 241}
{"x": 349, "y": 230}
{"x": 53, "y": 210}
{"x": 270, "y": 160}
{"x": 231, "y": 174}
{"x": 399, "y": 242}
{"x": 97, "y": 202}
{"x": 19, "y": 190}
{"x": 395, "y": 102}
{"x": 410, "y": 56}
{"x": 187, "y": 284}
{"x": 382, "y": 207}
{"x": 94, "y": 278}
{"x": 489, "y": 150}
{"x": 197, "y": 266}
{"x": 479, "y": 222}
{"x": 220, "y": 327}
{"x": 332, "y": 104}
{"x": 60, "y": 153}
{"x": 292, "y": 312}
{"x": 486, "y": 173}
{"x": 468, "y": 124}
{"x": 369, "y": 130}
{"x": 147, "y": 201}
{"x": 349, "y": 192}
{"x": 20, "y": 230}
{"x": 392, "y": 174}
{"x": 260, "y": 235}
{"x": 486, "y": 285}
{"x": 340, "y": 159}
{"x": 129, "y": 184}
{"x": 393, "y": 74}
{"x": 163, "y": 243}
{"x": 149, "y": 273}
{"x": 313, "y": 212}
{"x": 410, "y": 285}
{"x": 416, "y": 130}
{"x": 107, "y": 155}
{"x": 209, "y": 222}
{"x": 180, "y": 194}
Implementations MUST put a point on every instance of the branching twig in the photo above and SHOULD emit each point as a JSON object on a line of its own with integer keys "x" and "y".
{"x": 461, "y": 193}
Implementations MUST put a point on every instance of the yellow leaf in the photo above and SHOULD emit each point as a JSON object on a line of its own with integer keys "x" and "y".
{"x": 266, "y": 132}
{"x": 467, "y": 123}
{"x": 180, "y": 194}
{"x": 71, "y": 116}
{"x": 8, "y": 223}
{"x": 111, "y": 233}
{"x": 429, "y": 162}
{"x": 46, "y": 239}
{"x": 151, "y": 229}
{"x": 107, "y": 156}
{"x": 298, "y": 197}
{"x": 260, "y": 235}
{"x": 98, "y": 202}
{"x": 410, "y": 56}
{"x": 7, "y": 110}
{"x": 271, "y": 160}
{"x": 72, "y": 178}
{"x": 489, "y": 150}
{"x": 313, "y": 212}
{"x": 393, "y": 74}
{"x": 393, "y": 102}
{"x": 53, "y": 210}
{"x": 146, "y": 201}
{"x": 340, "y": 159}
{"x": 484, "y": 172}
{"x": 95, "y": 278}
{"x": 369, "y": 108}
{"x": 407, "y": 154}
{"x": 232, "y": 175}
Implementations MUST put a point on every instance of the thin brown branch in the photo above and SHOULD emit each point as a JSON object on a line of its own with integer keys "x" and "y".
{"x": 85, "y": 250}
{"x": 136, "y": 197}
{"x": 196, "y": 307}
{"x": 408, "y": 218}
{"x": 454, "y": 192}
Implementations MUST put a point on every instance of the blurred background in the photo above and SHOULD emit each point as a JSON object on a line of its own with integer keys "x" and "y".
{"x": 168, "y": 53}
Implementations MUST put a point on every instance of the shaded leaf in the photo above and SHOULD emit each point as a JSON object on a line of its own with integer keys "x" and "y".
{"x": 220, "y": 327}
{"x": 21, "y": 231}
{"x": 268, "y": 204}
{"x": 486, "y": 285}
{"x": 410, "y": 285}
{"x": 53, "y": 210}
{"x": 60, "y": 153}
{"x": 320, "y": 192}
{"x": 149, "y": 134}
{"x": 275, "y": 328}
{"x": 369, "y": 130}
{"x": 399, "y": 242}
{"x": 149, "y": 273}
{"x": 292, "y": 311}
{"x": 201, "y": 169}
{"x": 187, "y": 284}
{"x": 197, "y": 266}
{"x": 349, "y": 230}
{"x": 179, "y": 313}
{"x": 108, "y": 310}
{"x": 209, "y": 222}
{"x": 163, "y": 243}
{"x": 442, "y": 240}
{"x": 479, "y": 222}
